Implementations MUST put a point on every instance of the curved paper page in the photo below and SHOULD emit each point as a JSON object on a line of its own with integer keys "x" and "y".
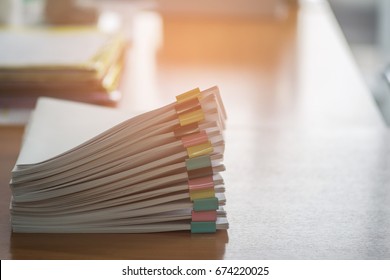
{"x": 65, "y": 125}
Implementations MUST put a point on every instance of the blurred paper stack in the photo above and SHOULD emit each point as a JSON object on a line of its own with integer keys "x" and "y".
{"x": 75, "y": 63}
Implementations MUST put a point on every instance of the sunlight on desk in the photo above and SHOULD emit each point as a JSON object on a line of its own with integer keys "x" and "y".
{"x": 307, "y": 152}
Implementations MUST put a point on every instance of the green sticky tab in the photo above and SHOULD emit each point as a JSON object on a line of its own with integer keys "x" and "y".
{"x": 203, "y": 227}
{"x": 198, "y": 162}
{"x": 205, "y": 204}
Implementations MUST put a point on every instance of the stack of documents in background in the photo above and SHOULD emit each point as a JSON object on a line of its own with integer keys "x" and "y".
{"x": 82, "y": 64}
{"x": 84, "y": 168}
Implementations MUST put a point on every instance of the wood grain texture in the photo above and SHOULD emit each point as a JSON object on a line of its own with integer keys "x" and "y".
{"x": 307, "y": 154}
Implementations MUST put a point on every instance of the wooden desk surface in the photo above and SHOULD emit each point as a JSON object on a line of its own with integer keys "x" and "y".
{"x": 307, "y": 153}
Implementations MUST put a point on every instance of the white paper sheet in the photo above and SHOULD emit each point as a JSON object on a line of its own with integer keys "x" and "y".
{"x": 78, "y": 123}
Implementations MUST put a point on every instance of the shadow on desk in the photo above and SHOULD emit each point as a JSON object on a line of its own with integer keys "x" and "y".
{"x": 172, "y": 245}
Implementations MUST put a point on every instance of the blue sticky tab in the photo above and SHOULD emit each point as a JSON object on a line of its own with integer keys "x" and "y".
{"x": 203, "y": 227}
{"x": 205, "y": 204}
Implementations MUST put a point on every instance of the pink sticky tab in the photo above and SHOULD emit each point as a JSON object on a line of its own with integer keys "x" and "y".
{"x": 204, "y": 216}
{"x": 194, "y": 139}
{"x": 201, "y": 183}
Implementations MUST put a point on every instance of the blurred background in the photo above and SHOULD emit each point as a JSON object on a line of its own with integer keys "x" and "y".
{"x": 164, "y": 35}
{"x": 366, "y": 26}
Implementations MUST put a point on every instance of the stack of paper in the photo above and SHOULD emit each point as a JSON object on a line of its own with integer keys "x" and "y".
{"x": 84, "y": 168}
{"x": 82, "y": 64}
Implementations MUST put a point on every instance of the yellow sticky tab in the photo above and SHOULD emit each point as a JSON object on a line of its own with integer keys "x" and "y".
{"x": 191, "y": 117}
{"x": 206, "y": 193}
{"x": 200, "y": 150}
{"x": 194, "y": 93}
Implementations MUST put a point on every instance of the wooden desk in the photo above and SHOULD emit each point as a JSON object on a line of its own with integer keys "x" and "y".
{"x": 307, "y": 153}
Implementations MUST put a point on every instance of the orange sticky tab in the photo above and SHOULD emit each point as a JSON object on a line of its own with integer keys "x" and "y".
{"x": 194, "y": 93}
{"x": 194, "y": 139}
{"x": 191, "y": 117}
{"x": 200, "y": 150}
{"x": 206, "y": 193}
{"x": 204, "y": 216}
{"x": 201, "y": 183}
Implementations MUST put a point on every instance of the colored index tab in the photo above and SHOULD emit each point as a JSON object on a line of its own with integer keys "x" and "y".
{"x": 200, "y": 150}
{"x": 204, "y": 216}
{"x": 205, "y": 204}
{"x": 191, "y": 117}
{"x": 198, "y": 194}
{"x": 198, "y": 162}
{"x": 203, "y": 227}
{"x": 194, "y": 93}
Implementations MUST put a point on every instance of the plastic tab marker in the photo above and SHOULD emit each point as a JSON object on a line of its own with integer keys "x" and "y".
{"x": 200, "y": 150}
{"x": 199, "y": 194}
{"x": 198, "y": 162}
{"x": 194, "y": 93}
{"x": 191, "y": 117}
{"x": 203, "y": 227}
{"x": 204, "y": 216}
{"x": 205, "y": 204}
{"x": 199, "y": 167}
